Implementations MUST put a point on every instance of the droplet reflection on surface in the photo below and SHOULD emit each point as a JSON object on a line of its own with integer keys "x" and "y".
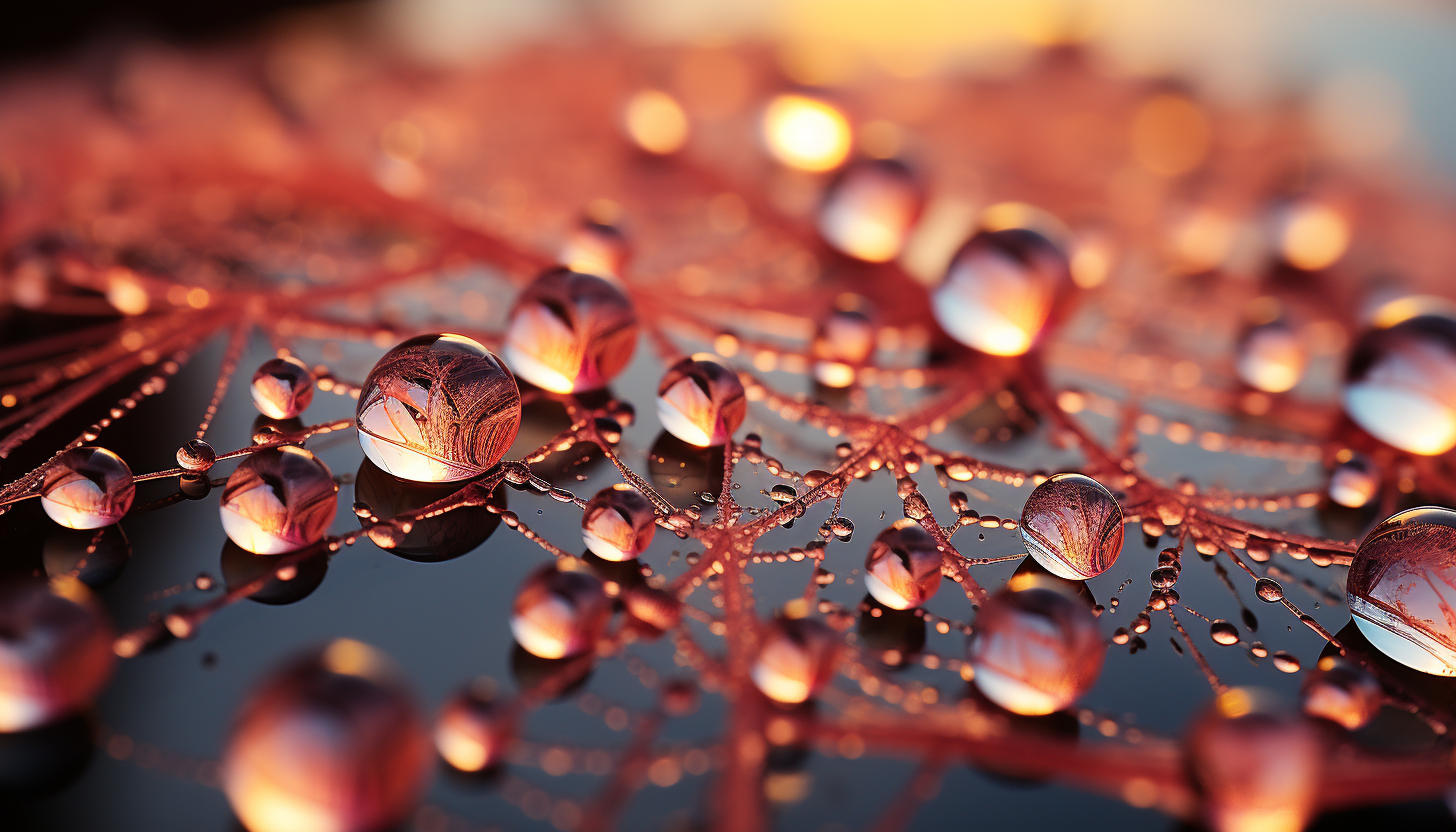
{"x": 1072, "y": 526}
{"x": 1001, "y": 289}
{"x": 1399, "y": 589}
{"x": 701, "y": 401}
{"x": 1035, "y": 648}
{"x": 55, "y": 650}
{"x": 570, "y": 332}
{"x": 1256, "y": 765}
{"x": 902, "y": 569}
{"x": 559, "y": 613}
{"x": 438, "y": 408}
{"x": 618, "y": 523}
{"x": 870, "y": 208}
{"x": 1400, "y": 383}
{"x": 279, "y": 500}
{"x": 282, "y": 388}
{"x": 87, "y": 488}
{"x": 796, "y": 657}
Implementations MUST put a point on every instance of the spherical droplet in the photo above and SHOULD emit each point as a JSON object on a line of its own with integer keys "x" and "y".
{"x": 282, "y": 388}
{"x": 1223, "y": 632}
{"x": 1035, "y": 648}
{"x": 844, "y": 342}
{"x": 560, "y": 613}
{"x": 1072, "y": 526}
{"x": 1256, "y": 765}
{"x": 332, "y": 741}
{"x": 796, "y": 658}
{"x": 196, "y": 456}
{"x": 438, "y": 408}
{"x": 1271, "y": 357}
{"x": 1354, "y": 482}
{"x": 1342, "y": 692}
{"x": 870, "y": 208}
{"x": 87, "y": 488}
{"x": 902, "y": 569}
{"x": 279, "y": 500}
{"x": 596, "y": 247}
{"x": 1269, "y": 590}
{"x": 806, "y": 133}
{"x": 471, "y": 732}
{"x": 701, "y": 401}
{"x": 656, "y": 607}
{"x": 1399, "y": 587}
{"x": 1001, "y": 289}
{"x": 570, "y": 332}
{"x": 55, "y": 651}
{"x": 618, "y": 523}
{"x": 1400, "y": 383}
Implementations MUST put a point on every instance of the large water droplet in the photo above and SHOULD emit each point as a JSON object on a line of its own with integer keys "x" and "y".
{"x": 1342, "y": 692}
{"x": 55, "y": 653}
{"x": 796, "y": 658}
{"x": 1354, "y": 482}
{"x": 618, "y": 523}
{"x": 1035, "y": 648}
{"x": 1399, "y": 589}
{"x": 559, "y": 613}
{"x": 1001, "y": 289}
{"x": 438, "y": 408}
{"x": 1256, "y": 764}
{"x": 902, "y": 569}
{"x": 1400, "y": 383}
{"x": 87, "y": 488}
{"x": 870, "y": 208}
{"x": 279, "y": 500}
{"x": 570, "y": 332}
{"x": 701, "y": 401}
{"x": 1072, "y": 526}
{"x": 282, "y": 387}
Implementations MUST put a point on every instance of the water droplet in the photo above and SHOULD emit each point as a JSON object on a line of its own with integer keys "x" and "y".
{"x": 282, "y": 388}
{"x": 1342, "y": 692}
{"x": 842, "y": 528}
{"x": 1271, "y": 357}
{"x": 1285, "y": 662}
{"x": 701, "y": 401}
{"x": 279, "y": 500}
{"x": 570, "y": 332}
{"x": 783, "y": 493}
{"x": 1398, "y": 589}
{"x": 1001, "y": 289}
{"x": 1164, "y": 577}
{"x": 196, "y": 456}
{"x": 438, "y": 408}
{"x": 1258, "y": 649}
{"x": 596, "y": 248}
{"x": 1354, "y": 482}
{"x": 902, "y": 569}
{"x": 331, "y": 740}
{"x": 1223, "y": 632}
{"x": 559, "y": 613}
{"x": 1072, "y": 526}
{"x": 1400, "y": 383}
{"x": 1035, "y": 649}
{"x": 844, "y": 342}
{"x": 796, "y": 658}
{"x": 618, "y": 523}
{"x": 1256, "y": 763}
{"x": 655, "y": 607}
{"x": 87, "y": 488}
{"x": 56, "y": 651}
{"x": 1269, "y": 590}
{"x": 471, "y": 732}
{"x": 870, "y": 208}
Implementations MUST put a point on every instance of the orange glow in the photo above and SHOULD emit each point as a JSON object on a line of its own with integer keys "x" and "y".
{"x": 806, "y": 133}
{"x": 656, "y": 122}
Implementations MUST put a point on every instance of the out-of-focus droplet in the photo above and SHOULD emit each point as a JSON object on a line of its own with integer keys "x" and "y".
{"x": 471, "y": 732}
{"x": 1035, "y": 648}
{"x": 1001, "y": 289}
{"x": 1256, "y": 765}
{"x": 438, "y": 408}
{"x": 844, "y": 342}
{"x": 87, "y": 488}
{"x": 1342, "y": 692}
{"x": 196, "y": 456}
{"x": 902, "y": 569}
{"x": 1271, "y": 357}
{"x": 656, "y": 122}
{"x": 1354, "y": 482}
{"x": 282, "y": 388}
{"x": 55, "y": 651}
{"x": 1269, "y": 590}
{"x": 701, "y": 401}
{"x": 796, "y": 658}
{"x": 570, "y": 332}
{"x": 1223, "y": 632}
{"x": 596, "y": 247}
{"x": 806, "y": 133}
{"x": 559, "y": 613}
{"x": 1310, "y": 235}
{"x": 870, "y": 209}
{"x": 279, "y": 500}
{"x": 332, "y": 741}
{"x": 1072, "y": 526}
{"x": 618, "y": 523}
{"x": 1400, "y": 383}
{"x": 1399, "y": 585}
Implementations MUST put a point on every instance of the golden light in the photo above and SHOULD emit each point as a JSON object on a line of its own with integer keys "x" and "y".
{"x": 656, "y": 122}
{"x": 124, "y": 293}
{"x": 806, "y": 133}
{"x": 1170, "y": 135}
{"x": 1312, "y": 235}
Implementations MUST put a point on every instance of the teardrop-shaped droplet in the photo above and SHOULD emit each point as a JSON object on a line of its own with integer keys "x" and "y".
{"x": 700, "y": 401}
{"x": 618, "y": 523}
{"x": 279, "y": 500}
{"x": 1001, "y": 290}
{"x": 902, "y": 569}
{"x": 570, "y": 332}
{"x": 87, "y": 488}
{"x": 1399, "y": 589}
{"x": 1072, "y": 526}
{"x": 282, "y": 387}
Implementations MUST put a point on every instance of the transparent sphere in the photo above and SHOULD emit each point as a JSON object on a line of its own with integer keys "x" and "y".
{"x": 870, "y": 209}
{"x": 570, "y": 332}
{"x": 1035, "y": 648}
{"x": 596, "y": 248}
{"x": 332, "y": 741}
{"x": 87, "y": 488}
{"x": 55, "y": 651}
{"x": 471, "y": 732}
{"x": 438, "y": 408}
{"x": 902, "y": 569}
{"x": 560, "y": 612}
{"x": 1400, "y": 383}
{"x": 844, "y": 342}
{"x": 618, "y": 523}
{"x": 1001, "y": 289}
{"x": 279, "y": 500}
{"x": 796, "y": 658}
{"x": 1256, "y": 764}
{"x": 1072, "y": 526}
{"x": 1271, "y": 357}
{"x": 1399, "y": 587}
{"x": 701, "y": 401}
{"x": 1354, "y": 482}
{"x": 1342, "y": 692}
{"x": 282, "y": 388}
{"x": 196, "y": 456}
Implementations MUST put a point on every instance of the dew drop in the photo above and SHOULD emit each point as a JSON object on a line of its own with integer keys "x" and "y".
{"x": 1036, "y": 649}
{"x": 1285, "y": 662}
{"x": 559, "y": 613}
{"x": 1001, "y": 290}
{"x": 1269, "y": 590}
{"x": 1342, "y": 692}
{"x": 700, "y": 401}
{"x": 471, "y": 732}
{"x": 796, "y": 658}
{"x": 1072, "y": 526}
{"x": 87, "y": 488}
{"x": 1223, "y": 632}
{"x": 56, "y": 651}
{"x": 282, "y": 388}
{"x": 1271, "y": 357}
{"x": 279, "y": 500}
{"x": 618, "y": 523}
{"x": 1256, "y": 763}
{"x": 570, "y": 331}
{"x": 844, "y": 342}
{"x": 196, "y": 456}
{"x": 902, "y": 569}
{"x": 1400, "y": 383}
{"x": 1354, "y": 482}
{"x": 870, "y": 208}
{"x": 1397, "y": 589}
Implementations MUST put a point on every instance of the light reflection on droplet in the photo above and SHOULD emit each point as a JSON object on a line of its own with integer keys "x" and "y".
{"x": 87, "y": 488}
{"x": 1072, "y": 526}
{"x": 701, "y": 401}
{"x": 902, "y": 569}
{"x": 1035, "y": 648}
{"x": 559, "y": 613}
{"x": 1000, "y": 290}
{"x": 282, "y": 387}
{"x": 796, "y": 657}
{"x": 1400, "y": 383}
{"x": 55, "y": 651}
{"x": 618, "y": 523}
{"x": 1399, "y": 589}
{"x": 1256, "y": 764}
{"x": 279, "y": 500}
{"x": 570, "y": 332}
{"x": 806, "y": 133}
{"x": 870, "y": 209}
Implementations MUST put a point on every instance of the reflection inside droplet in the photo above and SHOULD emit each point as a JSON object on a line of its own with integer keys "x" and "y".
{"x": 279, "y": 500}
{"x": 1399, "y": 589}
{"x": 87, "y": 488}
{"x": 1072, "y": 525}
